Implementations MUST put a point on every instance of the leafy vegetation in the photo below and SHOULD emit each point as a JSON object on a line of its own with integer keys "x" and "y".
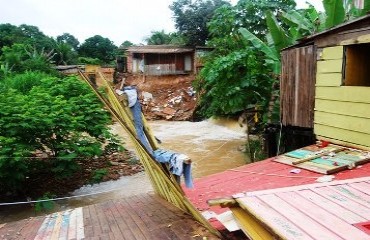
{"x": 45, "y": 204}
{"x": 63, "y": 50}
{"x": 238, "y": 75}
{"x": 98, "y": 175}
{"x": 98, "y": 47}
{"x": 244, "y": 82}
{"x": 191, "y": 18}
{"x": 59, "y": 117}
{"x": 161, "y": 38}
{"x": 230, "y": 81}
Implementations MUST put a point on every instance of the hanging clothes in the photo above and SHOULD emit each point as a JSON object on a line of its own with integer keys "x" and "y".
{"x": 135, "y": 108}
{"x": 179, "y": 164}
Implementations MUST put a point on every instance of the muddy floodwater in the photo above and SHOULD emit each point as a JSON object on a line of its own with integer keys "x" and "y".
{"x": 212, "y": 145}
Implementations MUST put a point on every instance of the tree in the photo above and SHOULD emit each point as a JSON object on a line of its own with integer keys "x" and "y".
{"x": 230, "y": 84}
{"x": 98, "y": 47}
{"x": 24, "y": 57}
{"x": 191, "y": 18}
{"x": 36, "y": 38}
{"x": 223, "y": 31}
{"x": 25, "y": 34}
{"x": 61, "y": 118}
{"x": 64, "y": 54}
{"x": 126, "y": 44}
{"x": 10, "y": 34}
{"x": 68, "y": 39}
{"x": 251, "y": 13}
{"x": 158, "y": 38}
{"x": 161, "y": 38}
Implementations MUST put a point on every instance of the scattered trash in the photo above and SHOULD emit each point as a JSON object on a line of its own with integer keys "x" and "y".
{"x": 295, "y": 171}
{"x": 147, "y": 96}
{"x": 209, "y": 214}
{"x": 228, "y": 220}
{"x": 119, "y": 92}
{"x": 326, "y": 178}
{"x": 238, "y": 195}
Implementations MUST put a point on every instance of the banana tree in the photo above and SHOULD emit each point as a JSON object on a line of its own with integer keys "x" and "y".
{"x": 277, "y": 39}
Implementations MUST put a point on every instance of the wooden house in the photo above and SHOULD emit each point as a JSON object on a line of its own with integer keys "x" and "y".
{"x": 325, "y": 84}
{"x": 325, "y": 90}
{"x": 157, "y": 60}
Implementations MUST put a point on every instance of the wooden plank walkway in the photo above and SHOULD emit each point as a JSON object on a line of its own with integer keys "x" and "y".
{"x": 138, "y": 218}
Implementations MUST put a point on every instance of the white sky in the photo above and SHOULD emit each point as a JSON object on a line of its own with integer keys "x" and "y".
{"x": 118, "y": 20}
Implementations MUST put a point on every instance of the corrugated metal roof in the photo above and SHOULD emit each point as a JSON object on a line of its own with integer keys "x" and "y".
{"x": 159, "y": 49}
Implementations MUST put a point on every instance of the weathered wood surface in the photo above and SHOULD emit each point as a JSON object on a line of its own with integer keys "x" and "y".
{"x": 138, "y": 218}
{"x": 315, "y": 211}
{"x": 297, "y": 86}
{"x": 352, "y": 33}
{"x": 319, "y": 160}
{"x": 345, "y": 135}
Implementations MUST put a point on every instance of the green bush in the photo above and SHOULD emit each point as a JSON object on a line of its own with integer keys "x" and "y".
{"x": 58, "y": 116}
{"x": 45, "y": 205}
{"x": 230, "y": 84}
{"x": 98, "y": 175}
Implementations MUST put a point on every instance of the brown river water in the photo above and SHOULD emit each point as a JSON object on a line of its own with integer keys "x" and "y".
{"x": 212, "y": 145}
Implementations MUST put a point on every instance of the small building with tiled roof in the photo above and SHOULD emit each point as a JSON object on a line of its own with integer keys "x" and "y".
{"x": 160, "y": 60}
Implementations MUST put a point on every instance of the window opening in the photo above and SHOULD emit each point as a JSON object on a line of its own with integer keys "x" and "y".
{"x": 357, "y": 65}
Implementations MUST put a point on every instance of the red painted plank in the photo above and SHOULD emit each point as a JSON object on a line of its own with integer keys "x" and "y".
{"x": 362, "y": 186}
{"x": 353, "y": 193}
{"x": 302, "y": 221}
{"x": 344, "y": 201}
{"x": 338, "y": 226}
{"x": 331, "y": 207}
{"x": 278, "y": 223}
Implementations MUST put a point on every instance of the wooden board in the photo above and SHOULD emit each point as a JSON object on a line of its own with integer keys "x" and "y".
{"x": 345, "y": 159}
{"x": 332, "y": 53}
{"x": 356, "y": 124}
{"x": 329, "y": 80}
{"x": 352, "y": 94}
{"x": 343, "y": 108}
{"x": 329, "y": 66}
{"x": 317, "y": 211}
{"x": 298, "y": 72}
{"x": 344, "y": 135}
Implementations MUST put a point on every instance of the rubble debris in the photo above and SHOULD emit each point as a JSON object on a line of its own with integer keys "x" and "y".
{"x": 166, "y": 98}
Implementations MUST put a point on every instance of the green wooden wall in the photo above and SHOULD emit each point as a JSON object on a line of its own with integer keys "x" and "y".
{"x": 342, "y": 113}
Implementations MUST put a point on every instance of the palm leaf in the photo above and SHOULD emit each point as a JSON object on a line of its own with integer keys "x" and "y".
{"x": 260, "y": 45}
{"x": 272, "y": 56}
{"x": 281, "y": 40}
{"x": 335, "y": 13}
{"x": 298, "y": 19}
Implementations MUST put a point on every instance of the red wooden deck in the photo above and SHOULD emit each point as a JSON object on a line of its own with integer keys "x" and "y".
{"x": 137, "y": 218}
{"x": 253, "y": 177}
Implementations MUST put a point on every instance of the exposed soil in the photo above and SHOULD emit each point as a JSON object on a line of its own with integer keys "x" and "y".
{"x": 165, "y": 97}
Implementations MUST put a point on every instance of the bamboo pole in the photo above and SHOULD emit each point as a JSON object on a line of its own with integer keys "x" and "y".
{"x": 163, "y": 183}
